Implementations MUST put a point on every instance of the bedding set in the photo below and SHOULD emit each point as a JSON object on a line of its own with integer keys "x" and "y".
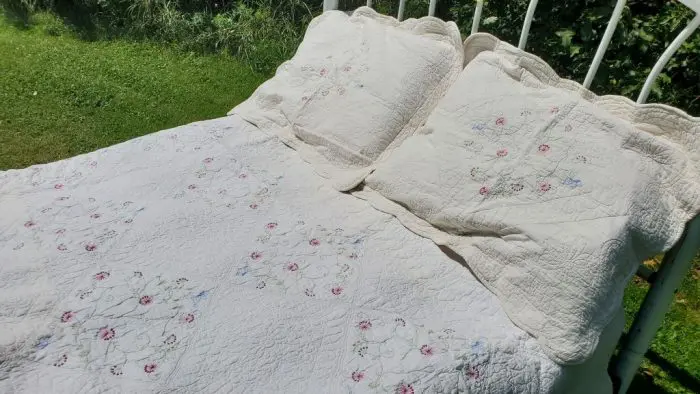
{"x": 213, "y": 258}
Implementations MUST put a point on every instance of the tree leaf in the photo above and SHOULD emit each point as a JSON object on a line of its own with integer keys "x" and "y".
{"x": 566, "y": 36}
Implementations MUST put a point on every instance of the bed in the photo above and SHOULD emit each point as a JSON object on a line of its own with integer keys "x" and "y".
{"x": 213, "y": 258}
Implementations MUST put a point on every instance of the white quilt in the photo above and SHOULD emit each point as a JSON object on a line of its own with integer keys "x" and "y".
{"x": 210, "y": 258}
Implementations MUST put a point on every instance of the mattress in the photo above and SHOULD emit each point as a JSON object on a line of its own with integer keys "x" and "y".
{"x": 210, "y": 258}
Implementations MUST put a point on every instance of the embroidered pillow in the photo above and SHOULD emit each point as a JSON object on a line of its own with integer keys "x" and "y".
{"x": 357, "y": 86}
{"x": 551, "y": 194}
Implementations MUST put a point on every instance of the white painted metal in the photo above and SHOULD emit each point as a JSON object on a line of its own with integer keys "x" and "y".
{"x": 526, "y": 25}
{"x": 402, "y": 8}
{"x": 369, "y": 3}
{"x": 330, "y": 5}
{"x": 692, "y": 4}
{"x": 666, "y": 56}
{"x": 431, "y": 7}
{"x": 477, "y": 16}
{"x": 603, "y": 46}
{"x": 675, "y": 266}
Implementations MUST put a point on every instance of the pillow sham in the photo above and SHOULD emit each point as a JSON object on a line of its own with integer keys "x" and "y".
{"x": 356, "y": 87}
{"x": 551, "y": 194}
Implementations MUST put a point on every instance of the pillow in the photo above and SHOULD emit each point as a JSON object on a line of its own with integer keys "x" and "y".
{"x": 356, "y": 87}
{"x": 551, "y": 194}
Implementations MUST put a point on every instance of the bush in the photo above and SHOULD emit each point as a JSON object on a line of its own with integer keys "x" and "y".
{"x": 264, "y": 33}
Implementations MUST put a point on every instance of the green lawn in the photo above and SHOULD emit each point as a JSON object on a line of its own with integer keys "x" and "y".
{"x": 60, "y": 96}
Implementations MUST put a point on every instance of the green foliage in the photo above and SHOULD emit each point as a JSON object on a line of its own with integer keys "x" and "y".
{"x": 566, "y": 35}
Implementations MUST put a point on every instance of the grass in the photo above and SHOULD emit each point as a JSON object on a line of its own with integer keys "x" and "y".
{"x": 62, "y": 96}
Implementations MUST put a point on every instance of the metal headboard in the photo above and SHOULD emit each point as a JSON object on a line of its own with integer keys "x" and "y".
{"x": 678, "y": 260}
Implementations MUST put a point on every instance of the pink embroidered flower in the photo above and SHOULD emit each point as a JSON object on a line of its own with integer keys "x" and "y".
{"x": 471, "y": 373}
{"x": 401, "y": 322}
{"x": 170, "y": 339}
{"x": 364, "y": 325}
{"x": 337, "y": 290}
{"x": 189, "y": 318}
{"x": 426, "y": 350}
{"x": 309, "y": 293}
{"x": 150, "y": 368}
{"x": 544, "y": 148}
{"x": 95, "y": 215}
{"x": 102, "y": 275}
{"x": 61, "y": 247}
{"x": 323, "y": 72}
{"x": 106, "y": 333}
{"x": 501, "y": 121}
{"x": 58, "y": 186}
{"x": 347, "y": 68}
{"x": 484, "y": 190}
{"x": 61, "y": 361}
{"x": 271, "y": 226}
{"x": 29, "y": 224}
{"x": 67, "y": 316}
{"x": 502, "y": 152}
{"x": 554, "y": 110}
{"x": 90, "y": 247}
{"x": 404, "y": 388}
{"x": 208, "y": 160}
{"x": 292, "y": 266}
{"x": 314, "y": 242}
{"x": 115, "y": 370}
{"x": 243, "y": 176}
{"x": 192, "y": 187}
{"x": 253, "y": 206}
{"x": 545, "y": 186}
{"x": 256, "y": 255}
{"x": 357, "y": 376}
{"x": 145, "y": 300}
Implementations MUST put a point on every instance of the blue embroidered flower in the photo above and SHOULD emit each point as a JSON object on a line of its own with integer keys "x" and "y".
{"x": 43, "y": 342}
{"x": 478, "y": 126}
{"x": 571, "y": 182}
{"x": 242, "y": 271}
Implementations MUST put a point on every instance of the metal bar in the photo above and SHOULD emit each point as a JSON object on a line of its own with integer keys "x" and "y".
{"x": 666, "y": 56}
{"x": 675, "y": 265}
{"x": 603, "y": 46}
{"x": 526, "y": 25}
{"x": 431, "y": 7}
{"x": 402, "y": 8}
{"x": 477, "y": 16}
{"x": 330, "y": 5}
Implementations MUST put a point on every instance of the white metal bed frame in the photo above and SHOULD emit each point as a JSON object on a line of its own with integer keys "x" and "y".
{"x": 678, "y": 260}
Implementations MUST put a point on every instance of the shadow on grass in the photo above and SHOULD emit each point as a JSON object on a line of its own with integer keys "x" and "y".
{"x": 645, "y": 384}
{"x": 73, "y": 13}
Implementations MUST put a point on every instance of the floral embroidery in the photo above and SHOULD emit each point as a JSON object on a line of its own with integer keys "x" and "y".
{"x": 170, "y": 339}
{"x": 554, "y": 110}
{"x": 243, "y": 176}
{"x": 544, "y": 148}
{"x": 90, "y": 247}
{"x": 60, "y": 231}
{"x": 582, "y": 159}
{"x": 426, "y": 350}
{"x": 404, "y": 388}
{"x": 106, "y": 333}
{"x": 364, "y": 325}
{"x": 260, "y": 285}
{"x": 347, "y": 68}
{"x": 309, "y": 293}
{"x": 471, "y": 373}
{"x": 516, "y": 187}
{"x": 484, "y": 190}
{"x": 568, "y": 128}
{"x": 150, "y": 368}
{"x": 181, "y": 281}
{"x": 502, "y": 152}
{"x": 401, "y": 322}
{"x": 323, "y": 72}
{"x": 572, "y": 182}
{"x": 58, "y": 186}
{"x": 360, "y": 348}
{"x": 478, "y": 127}
{"x": 256, "y": 255}
{"x": 544, "y": 186}
{"x": 271, "y": 226}
{"x": 188, "y": 318}
{"x": 292, "y": 267}
{"x": 61, "y": 361}
{"x": 43, "y": 342}
{"x": 61, "y": 247}
{"x": 525, "y": 112}
{"x": 208, "y": 160}
{"x": 501, "y": 121}
{"x": 67, "y": 316}
{"x": 29, "y": 224}
{"x": 253, "y": 206}
{"x": 357, "y": 376}
{"x": 115, "y": 370}
{"x": 314, "y": 242}
{"x": 192, "y": 187}
{"x": 337, "y": 290}
{"x": 102, "y": 275}
{"x": 95, "y": 216}
{"x": 145, "y": 300}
